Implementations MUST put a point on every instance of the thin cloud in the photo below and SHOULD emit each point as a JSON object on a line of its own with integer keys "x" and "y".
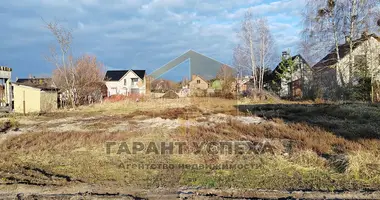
{"x": 115, "y": 30}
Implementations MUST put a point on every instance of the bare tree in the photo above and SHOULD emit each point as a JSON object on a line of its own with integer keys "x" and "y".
{"x": 331, "y": 21}
{"x": 265, "y": 44}
{"x": 246, "y": 50}
{"x": 227, "y": 78}
{"x": 352, "y": 18}
{"x": 242, "y": 62}
{"x": 63, "y": 60}
{"x": 313, "y": 44}
{"x": 256, "y": 49}
{"x": 184, "y": 82}
{"x": 80, "y": 80}
{"x": 89, "y": 75}
{"x": 328, "y": 23}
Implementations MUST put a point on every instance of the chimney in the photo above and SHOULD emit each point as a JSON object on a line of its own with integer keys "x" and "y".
{"x": 285, "y": 55}
{"x": 347, "y": 39}
{"x": 364, "y": 34}
{"x": 193, "y": 76}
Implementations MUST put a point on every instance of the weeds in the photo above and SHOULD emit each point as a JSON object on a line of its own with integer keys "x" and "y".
{"x": 10, "y": 123}
{"x": 351, "y": 121}
{"x": 306, "y": 148}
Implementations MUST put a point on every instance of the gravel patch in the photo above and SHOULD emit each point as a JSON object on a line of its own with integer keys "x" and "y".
{"x": 120, "y": 127}
{"x": 159, "y": 122}
{"x": 62, "y": 120}
{"x": 223, "y": 118}
{"x": 200, "y": 121}
{"x": 68, "y": 127}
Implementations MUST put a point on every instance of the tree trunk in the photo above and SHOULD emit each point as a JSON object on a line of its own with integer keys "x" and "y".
{"x": 372, "y": 91}
{"x": 352, "y": 29}
{"x": 336, "y": 41}
{"x": 252, "y": 61}
{"x": 262, "y": 73}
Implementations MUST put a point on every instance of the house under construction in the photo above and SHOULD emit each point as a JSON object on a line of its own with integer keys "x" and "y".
{"x": 5, "y": 86}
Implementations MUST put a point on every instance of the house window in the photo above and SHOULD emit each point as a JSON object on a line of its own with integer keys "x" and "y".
{"x": 134, "y": 81}
{"x": 360, "y": 62}
{"x": 361, "y": 68}
{"x": 125, "y": 81}
{"x": 198, "y": 81}
{"x": 113, "y": 90}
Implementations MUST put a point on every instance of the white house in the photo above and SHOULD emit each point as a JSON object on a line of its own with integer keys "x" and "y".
{"x": 125, "y": 82}
{"x": 296, "y": 84}
{"x": 329, "y": 75}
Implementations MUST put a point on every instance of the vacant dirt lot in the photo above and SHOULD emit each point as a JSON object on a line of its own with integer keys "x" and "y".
{"x": 321, "y": 148}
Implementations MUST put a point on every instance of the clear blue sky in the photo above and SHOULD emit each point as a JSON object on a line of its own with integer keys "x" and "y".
{"x": 138, "y": 34}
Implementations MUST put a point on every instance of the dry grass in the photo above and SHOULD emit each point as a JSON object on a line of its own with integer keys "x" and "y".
{"x": 295, "y": 136}
{"x": 128, "y": 106}
{"x": 351, "y": 121}
{"x": 81, "y": 157}
{"x": 298, "y": 155}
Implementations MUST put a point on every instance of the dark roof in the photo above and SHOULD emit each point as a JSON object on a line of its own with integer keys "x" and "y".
{"x": 116, "y": 75}
{"x": 294, "y": 57}
{"x": 140, "y": 73}
{"x": 34, "y": 80}
{"x": 344, "y": 49}
{"x": 40, "y": 83}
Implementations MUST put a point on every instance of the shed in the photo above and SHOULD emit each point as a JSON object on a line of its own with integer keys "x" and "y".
{"x": 29, "y": 98}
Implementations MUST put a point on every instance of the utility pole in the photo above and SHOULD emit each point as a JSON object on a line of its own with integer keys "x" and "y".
{"x": 8, "y": 89}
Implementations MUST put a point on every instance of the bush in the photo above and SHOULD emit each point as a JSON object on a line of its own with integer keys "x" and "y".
{"x": 135, "y": 97}
{"x": 246, "y": 93}
{"x": 218, "y": 93}
{"x": 198, "y": 93}
{"x": 228, "y": 95}
{"x": 319, "y": 101}
{"x": 14, "y": 123}
{"x": 11, "y": 123}
{"x": 314, "y": 93}
{"x": 115, "y": 98}
{"x": 361, "y": 91}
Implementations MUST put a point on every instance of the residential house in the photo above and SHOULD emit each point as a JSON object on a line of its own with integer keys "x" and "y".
{"x": 34, "y": 95}
{"x": 197, "y": 82}
{"x": 245, "y": 84}
{"x": 198, "y": 86}
{"x": 331, "y": 75}
{"x": 125, "y": 82}
{"x": 295, "y": 84}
